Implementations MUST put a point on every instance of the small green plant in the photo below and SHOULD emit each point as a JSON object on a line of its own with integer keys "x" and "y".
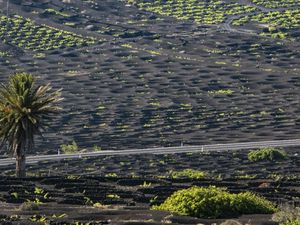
{"x": 38, "y": 190}
{"x": 153, "y": 200}
{"x": 69, "y": 148}
{"x": 4, "y": 54}
{"x": 96, "y": 148}
{"x": 213, "y": 202}
{"x": 246, "y": 176}
{"x": 14, "y": 218}
{"x": 189, "y": 173}
{"x": 14, "y": 195}
{"x": 221, "y": 92}
{"x": 113, "y": 196}
{"x": 146, "y": 184}
{"x": 37, "y": 201}
{"x": 98, "y": 205}
{"x": 73, "y": 177}
{"x": 88, "y": 201}
{"x": 39, "y": 55}
{"x": 38, "y": 218}
{"x": 40, "y": 193}
{"x": 59, "y": 215}
{"x": 55, "y": 12}
{"x": 111, "y": 175}
{"x": 267, "y": 154}
{"x": 46, "y": 195}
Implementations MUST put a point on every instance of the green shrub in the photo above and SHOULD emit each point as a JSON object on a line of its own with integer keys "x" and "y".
{"x": 190, "y": 173}
{"x": 69, "y": 148}
{"x": 213, "y": 202}
{"x": 250, "y": 203}
{"x": 96, "y": 148}
{"x": 271, "y": 154}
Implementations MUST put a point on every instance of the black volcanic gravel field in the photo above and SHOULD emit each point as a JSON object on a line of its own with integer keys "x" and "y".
{"x": 156, "y": 81}
{"x": 126, "y": 187}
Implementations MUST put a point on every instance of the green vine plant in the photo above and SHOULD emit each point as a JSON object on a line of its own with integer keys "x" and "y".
{"x": 25, "y": 34}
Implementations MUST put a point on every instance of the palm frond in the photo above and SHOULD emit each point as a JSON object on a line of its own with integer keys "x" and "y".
{"x": 24, "y": 110}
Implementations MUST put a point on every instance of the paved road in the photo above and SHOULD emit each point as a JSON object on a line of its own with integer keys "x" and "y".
{"x": 227, "y": 24}
{"x": 259, "y": 7}
{"x": 162, "y": 150}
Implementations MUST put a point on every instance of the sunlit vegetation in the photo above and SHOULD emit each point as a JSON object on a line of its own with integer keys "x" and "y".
{"x": 221, "y": 92}
{"x": 204, "y": 12}
{"x": 277, "y": 3}
{"x": 69, "y": 148}
{"x": 277, "y": 23}
{"x": 285, "y": 19}
{"x": 24, "y": 33}
{"x": 213, "y": 202}
{"x": 267, "y": 154}
{"x": 55, "y": 12}
{"x": 4, "y": 54}
{"x": 187, "y": 173}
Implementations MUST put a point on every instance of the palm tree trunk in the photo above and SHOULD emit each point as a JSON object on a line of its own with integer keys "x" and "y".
{"x": 20, "y": 162}
{"x": 21, "y": 166}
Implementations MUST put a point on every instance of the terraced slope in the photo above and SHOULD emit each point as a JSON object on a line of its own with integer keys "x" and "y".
{"x": 80, "y": 211}
{"x": 137, "y": 78}
{"x": 120, "y": 190}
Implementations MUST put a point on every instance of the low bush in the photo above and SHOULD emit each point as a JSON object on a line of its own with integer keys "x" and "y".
{"x": 69, "y": 148}
{"x": 189, "y": 173}
{"x": 267, "y": 154}
{"x": 213, "y": 202}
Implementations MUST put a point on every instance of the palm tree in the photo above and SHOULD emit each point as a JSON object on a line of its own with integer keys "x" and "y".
{"x": 24, "y": 112}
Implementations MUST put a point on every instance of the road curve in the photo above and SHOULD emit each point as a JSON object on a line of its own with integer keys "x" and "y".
{"x": 227, "y": 23}
{"x": 160, "y": 150}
